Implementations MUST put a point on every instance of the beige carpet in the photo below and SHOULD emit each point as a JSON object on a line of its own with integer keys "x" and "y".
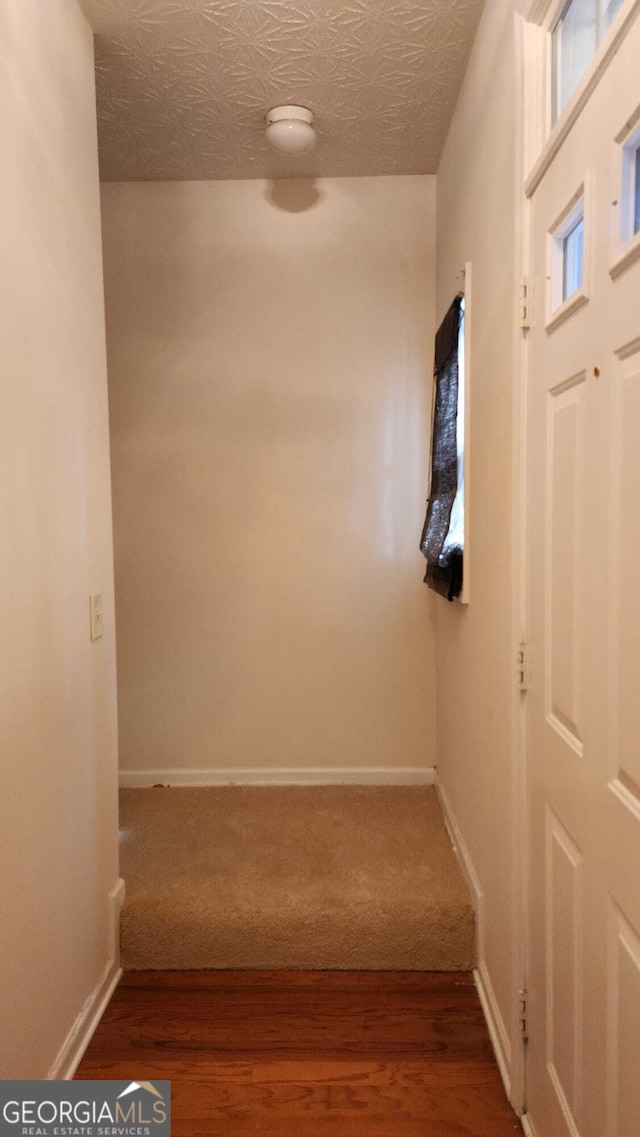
{"x": 329, "y": 877}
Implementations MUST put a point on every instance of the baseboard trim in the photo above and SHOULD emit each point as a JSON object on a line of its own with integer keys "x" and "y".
{"x": 466, "y": 864}
{"x": 527, "y": 1126}
{"x": 71, "y": 1052}
{"x": 374, "y": 776}
{"x": 495, "y": 1022}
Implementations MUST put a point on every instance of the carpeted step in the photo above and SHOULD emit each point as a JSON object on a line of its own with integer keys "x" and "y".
{"x": 327, "y": 877}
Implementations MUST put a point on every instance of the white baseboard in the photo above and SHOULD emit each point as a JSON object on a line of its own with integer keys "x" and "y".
{"x": 466, "y": 864}
{"x": 79, "y": 1037}
{"x": 495, "y": 1022}
{"x": 374, "y": 776}
{"x": 527, "y": 1127}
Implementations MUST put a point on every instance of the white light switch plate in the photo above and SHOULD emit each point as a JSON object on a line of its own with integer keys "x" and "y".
{"x": 95, "y": 611}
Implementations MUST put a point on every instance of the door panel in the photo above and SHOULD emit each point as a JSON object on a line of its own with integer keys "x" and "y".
{"x": 565, "y": 513}
{"x": 624, "y": 1028}
{"x": 583, "y": 613}
{"x": 564, "y": 916}
{"x": 625, "y": 617}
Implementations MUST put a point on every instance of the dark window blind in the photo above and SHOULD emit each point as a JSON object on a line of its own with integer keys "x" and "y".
{"x": 444, "y": 569}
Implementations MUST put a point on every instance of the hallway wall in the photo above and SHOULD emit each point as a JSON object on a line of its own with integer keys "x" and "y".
{"x": 270, "y": 352}
{"x": 58, "y": 806}
{"x": 476, "y": 215}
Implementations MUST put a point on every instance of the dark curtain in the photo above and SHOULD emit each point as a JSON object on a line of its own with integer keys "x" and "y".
{"x": 444, "y": 570}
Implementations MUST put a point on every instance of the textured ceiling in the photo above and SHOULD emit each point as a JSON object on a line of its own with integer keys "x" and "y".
{"x": 183, "y": 85}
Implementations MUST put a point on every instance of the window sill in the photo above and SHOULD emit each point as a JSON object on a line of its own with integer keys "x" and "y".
{"x": 573, "y": 304}
{"x": 627, "y": 255}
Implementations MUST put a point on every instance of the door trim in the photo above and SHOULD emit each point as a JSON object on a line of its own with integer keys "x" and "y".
{"x": 519, "y": 630}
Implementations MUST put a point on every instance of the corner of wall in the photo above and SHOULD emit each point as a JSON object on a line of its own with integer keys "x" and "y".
{"x": 495, "y": 1021}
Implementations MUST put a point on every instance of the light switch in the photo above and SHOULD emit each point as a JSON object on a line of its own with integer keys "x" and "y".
{"x": 95, "y": 610}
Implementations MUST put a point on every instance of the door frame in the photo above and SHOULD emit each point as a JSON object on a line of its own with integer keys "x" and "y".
{"x": 537, "y": 143}
{"x": 519, "y": 779}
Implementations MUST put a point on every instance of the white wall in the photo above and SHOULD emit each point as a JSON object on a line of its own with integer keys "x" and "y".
{"x": 270, "y": 352}
{"x": 476, "y": 213}
{"x": 58, "y": 816}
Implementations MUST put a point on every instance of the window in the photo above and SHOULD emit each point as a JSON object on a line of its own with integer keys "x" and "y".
{"x": 576, "y": 38}
{"x": 443, "y": 535}
{"x": 573, "y": 258}
{"x": 630, "y": 189}
{"x": 625, "y": 230}
{"x": 455, "y": 535}
{"x": 567, "y": 262}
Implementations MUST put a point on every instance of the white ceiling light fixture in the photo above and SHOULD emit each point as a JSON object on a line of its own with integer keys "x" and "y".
{"x": 290, "y": 130}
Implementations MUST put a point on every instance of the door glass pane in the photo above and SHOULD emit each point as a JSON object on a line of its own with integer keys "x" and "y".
{"x": 576, "y": 38}
{"x": 572, "y": 259}
{"x": 575, "y": 43}
{"x": 608, "y": 9}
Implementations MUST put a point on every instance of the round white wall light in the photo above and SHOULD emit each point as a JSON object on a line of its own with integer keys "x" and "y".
{"x": 290, "y": 130}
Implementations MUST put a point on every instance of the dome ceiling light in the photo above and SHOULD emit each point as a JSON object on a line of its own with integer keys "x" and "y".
{"x": 290, "y": 130}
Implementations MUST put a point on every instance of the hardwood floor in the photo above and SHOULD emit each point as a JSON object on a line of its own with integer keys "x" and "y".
{"x": 308, "y": 1054}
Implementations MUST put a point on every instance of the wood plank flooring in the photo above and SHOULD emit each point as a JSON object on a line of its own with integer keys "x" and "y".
{"x": 308, "y": 1054}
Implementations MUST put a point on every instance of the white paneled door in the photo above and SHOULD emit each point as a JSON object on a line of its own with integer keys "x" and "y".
{"x": 583, "y": 538}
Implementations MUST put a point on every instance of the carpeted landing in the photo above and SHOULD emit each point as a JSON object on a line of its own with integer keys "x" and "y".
{"x": 329, "y": 877}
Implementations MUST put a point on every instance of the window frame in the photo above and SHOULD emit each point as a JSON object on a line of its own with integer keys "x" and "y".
{"x": 559, "y": 308}
{"x": 625, "y": 243}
